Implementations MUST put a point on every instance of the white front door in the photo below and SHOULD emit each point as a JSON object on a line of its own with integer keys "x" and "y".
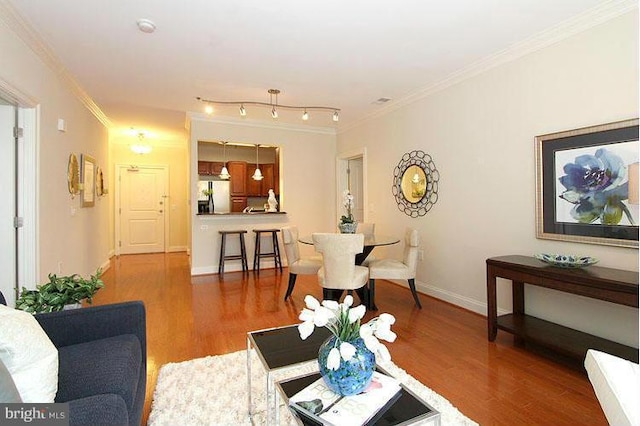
{"x": 142, "y": 209}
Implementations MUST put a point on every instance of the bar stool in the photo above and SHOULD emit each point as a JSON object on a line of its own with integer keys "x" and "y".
{"x": 275, "y": 253}
{"x": 224, "y": 256}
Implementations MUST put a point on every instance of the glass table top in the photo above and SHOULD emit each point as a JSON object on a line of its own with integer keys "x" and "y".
{"x": 369, "y": 240}
{"x": 402, "y": 409}
{"x": 281, "y": 347}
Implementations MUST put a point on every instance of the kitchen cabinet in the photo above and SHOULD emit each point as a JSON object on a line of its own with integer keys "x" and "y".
{"x": 210, "y": 168}
{"x": 204, "y": 168}
{"x": 238, "y": 172}
{"x": 260, "y": 188}
{"x": 238, "y": 204}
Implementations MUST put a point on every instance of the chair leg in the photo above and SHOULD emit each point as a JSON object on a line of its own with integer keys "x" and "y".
{"x": 363, "y": 294}
{"x": 292, "y": 283}
{"x": 372, "y": 294}
{"x": 331, "y": 294}
{"x": 412, "y": 285}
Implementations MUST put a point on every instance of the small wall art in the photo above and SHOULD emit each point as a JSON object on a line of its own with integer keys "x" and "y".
{"x": 88, "y": 191}
{"x": 73, "y": 175}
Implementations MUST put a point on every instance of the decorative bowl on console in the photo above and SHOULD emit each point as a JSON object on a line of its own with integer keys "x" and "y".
{"x": 566, "y": 260}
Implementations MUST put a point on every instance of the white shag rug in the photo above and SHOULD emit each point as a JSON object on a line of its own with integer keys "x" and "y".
{"x": 213, "y": 391}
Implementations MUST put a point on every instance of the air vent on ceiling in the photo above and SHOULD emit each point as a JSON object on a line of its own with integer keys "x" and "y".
{"x": 381, "y": 101}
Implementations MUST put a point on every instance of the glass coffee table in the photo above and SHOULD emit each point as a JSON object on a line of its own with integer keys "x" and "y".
{"x": 403, "y": 409}
{"x": 280, "y": 349}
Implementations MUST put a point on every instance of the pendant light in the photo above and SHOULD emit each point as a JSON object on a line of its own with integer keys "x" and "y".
{"x": 257, "y": 175}
{"x": 224, "y": 174}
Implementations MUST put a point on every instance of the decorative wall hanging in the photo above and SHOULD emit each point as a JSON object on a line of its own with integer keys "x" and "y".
{"x": 100, "y": 189}
{"x": 587, "y": 185}
{"x": 88, "y": 190}
{"x": 415, "y": 183}
{"x": 73, "y": 175}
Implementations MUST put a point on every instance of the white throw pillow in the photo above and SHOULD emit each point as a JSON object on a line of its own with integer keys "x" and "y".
{"x": 29, "y": 355}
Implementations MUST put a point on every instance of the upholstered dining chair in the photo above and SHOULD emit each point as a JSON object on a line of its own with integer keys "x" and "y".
{"x": 395, "y": 269}
{"x": 368, "y": 229}
{"x": 339, "y": 271}
{"x": 298, "y": 265}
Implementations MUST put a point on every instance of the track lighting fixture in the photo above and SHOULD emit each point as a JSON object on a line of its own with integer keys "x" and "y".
{"x": 273, "y": 104}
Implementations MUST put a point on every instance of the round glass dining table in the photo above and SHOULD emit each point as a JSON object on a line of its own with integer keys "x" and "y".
{"x": 370, "y": 242}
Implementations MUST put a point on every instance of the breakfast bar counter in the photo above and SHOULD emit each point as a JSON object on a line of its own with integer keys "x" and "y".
{"x": 206, "y": 238}
{"x": 248, "y": 214}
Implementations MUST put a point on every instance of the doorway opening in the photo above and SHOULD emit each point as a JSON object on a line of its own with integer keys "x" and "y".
{"x": 18, "y": 189}
{"x": 351, "y": 169}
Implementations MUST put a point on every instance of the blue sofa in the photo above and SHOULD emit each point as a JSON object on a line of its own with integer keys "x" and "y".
{"x": 102, "y": 355}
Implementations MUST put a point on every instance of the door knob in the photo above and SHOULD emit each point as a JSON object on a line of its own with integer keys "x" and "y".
{"x": 160, "y": 202}
{"x": 159, "y": 211}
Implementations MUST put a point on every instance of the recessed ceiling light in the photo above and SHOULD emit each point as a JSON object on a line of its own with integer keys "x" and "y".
{"x": 146, "y": 25}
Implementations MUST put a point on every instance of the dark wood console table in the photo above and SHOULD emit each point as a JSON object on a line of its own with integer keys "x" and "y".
{"x": 612, "y": 285}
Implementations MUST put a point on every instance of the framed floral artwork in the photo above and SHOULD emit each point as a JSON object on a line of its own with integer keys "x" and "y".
{"x": 587, "y": 185}
{"x": 88, "y": 192}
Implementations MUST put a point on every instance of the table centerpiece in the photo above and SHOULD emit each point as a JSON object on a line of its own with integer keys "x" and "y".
{"x": 347, "y": 359}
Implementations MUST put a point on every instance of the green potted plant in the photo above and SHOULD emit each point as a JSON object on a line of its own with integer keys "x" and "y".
{"x": 59, "y": 292}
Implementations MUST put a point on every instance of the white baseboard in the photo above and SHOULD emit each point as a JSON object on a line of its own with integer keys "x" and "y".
{"x": 174, "y": 249}
{"x": 473, "y": 305}
{"x": 105, "y": 265}
{"x": 454, "y": 298}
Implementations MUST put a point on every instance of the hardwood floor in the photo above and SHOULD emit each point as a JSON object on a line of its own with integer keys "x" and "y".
{"x": 443, "y": 346}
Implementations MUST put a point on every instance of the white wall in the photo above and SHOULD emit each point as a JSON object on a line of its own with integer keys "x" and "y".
{"x": 71, "y": 239}
{"x": 307, "y": 184}
{"x": 480, "y": 133}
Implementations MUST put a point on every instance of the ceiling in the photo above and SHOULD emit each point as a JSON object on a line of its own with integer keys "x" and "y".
{"x": 337, "y": 53}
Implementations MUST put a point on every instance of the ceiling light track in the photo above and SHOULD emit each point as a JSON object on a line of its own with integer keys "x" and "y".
{"x": 271, "y": 104}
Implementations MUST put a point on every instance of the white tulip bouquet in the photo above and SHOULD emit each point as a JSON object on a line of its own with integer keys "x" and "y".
{"x": 343, "y": 321}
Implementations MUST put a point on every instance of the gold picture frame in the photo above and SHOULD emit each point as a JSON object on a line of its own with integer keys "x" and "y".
{"x": 587, "y": 185}
{"x": 88, "y": 190}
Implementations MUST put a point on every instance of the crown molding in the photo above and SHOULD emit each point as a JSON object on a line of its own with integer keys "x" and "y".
{"x": 247, "y": 122}
{"x": 11, "y": 93}
{"x": 10, "y": 16}
{"x": 591, "y": 18}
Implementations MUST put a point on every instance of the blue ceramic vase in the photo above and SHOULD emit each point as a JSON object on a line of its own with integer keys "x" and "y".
{"x": 353, "y": 376}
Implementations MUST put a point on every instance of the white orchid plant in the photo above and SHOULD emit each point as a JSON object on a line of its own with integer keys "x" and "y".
{"x": 347, "y": 202}
{"x": 343, "y": 321}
